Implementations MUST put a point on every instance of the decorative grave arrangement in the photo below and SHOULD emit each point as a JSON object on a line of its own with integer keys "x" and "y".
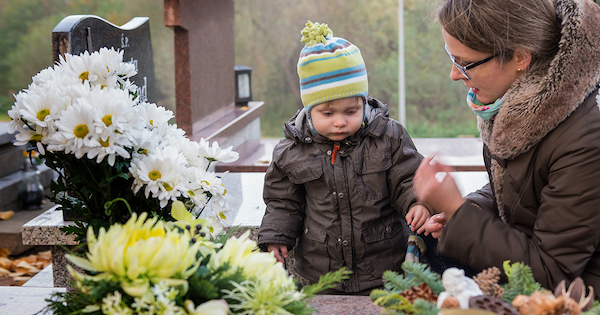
{"x": 151, "y": 266}
{"x": 421, "y": 291}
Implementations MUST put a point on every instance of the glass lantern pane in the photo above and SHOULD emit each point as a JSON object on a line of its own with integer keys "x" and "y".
{"x": 244, "y": 85}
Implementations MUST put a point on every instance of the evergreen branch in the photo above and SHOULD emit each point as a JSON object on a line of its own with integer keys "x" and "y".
{"x": 326, "y": 281}
{"x": 414, "y": 275}
{"x": 423, "y": 274}
{"x": 520, "y": 281}
{"x": 396, "y": 282}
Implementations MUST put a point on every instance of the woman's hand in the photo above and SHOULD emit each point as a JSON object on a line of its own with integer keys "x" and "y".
{"x": 434, "y": 225}
{"x": 441, "y": 192}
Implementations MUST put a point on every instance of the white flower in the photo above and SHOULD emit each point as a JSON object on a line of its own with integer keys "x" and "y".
{"x": 113, "y": 304}
{"x": 219, "y": 210}
{"x": 191, "y": 151}
{"x": 110, "y": 68}
{"x": 161, "y": 173}
{"x": 82, "y": 66}
{"x": 114, "y": 124}
{"x": 40, "y": 109}
{"x": 216, "y": 226}
{"x": 211, "y": 183}
{"x": 212, "y": 307}
{"x": 45, "y": 76}
{"x": 16, "y": 124}
{"x": 198, "y": 197}
{"x": 37, "y": 136}
{"x": 214, "y": 153}
{"x": 109, "y": 147}
{"x": 153, "y": 115}
{"x": 146, "y": 141}
{"x": 75, "y": 130}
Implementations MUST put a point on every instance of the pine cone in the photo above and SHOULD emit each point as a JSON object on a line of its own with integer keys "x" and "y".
{"x": 492, "y": 304}
{"x": 421, "y": 292}
{"x": 487, "y": 280}
{"x": 450, "y": 302}
{"x": 498, "y": 292}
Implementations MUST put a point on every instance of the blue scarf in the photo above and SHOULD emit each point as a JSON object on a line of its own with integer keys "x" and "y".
{"x": 485, "y": 111}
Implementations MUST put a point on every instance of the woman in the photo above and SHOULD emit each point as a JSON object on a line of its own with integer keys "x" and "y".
{"x": 533, "y": 68}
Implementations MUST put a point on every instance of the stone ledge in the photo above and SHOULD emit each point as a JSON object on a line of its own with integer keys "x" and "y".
{"x": 225, "y": 124}
{"x": 45, "y": 229}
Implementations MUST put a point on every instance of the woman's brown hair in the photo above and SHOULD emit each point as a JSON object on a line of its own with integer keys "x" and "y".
{"x": 501, "y": 26}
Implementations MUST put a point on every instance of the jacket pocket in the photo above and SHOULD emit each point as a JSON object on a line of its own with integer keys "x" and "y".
{"x": 384, "y": 245}
{"x": 310, "y": 174}
{"x": 371, "y": 179}
{"x": 312, "y": 257}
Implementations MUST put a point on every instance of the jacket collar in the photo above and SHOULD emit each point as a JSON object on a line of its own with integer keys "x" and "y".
{"x": 298, "y": 129}
{"x": 536, "y": 104}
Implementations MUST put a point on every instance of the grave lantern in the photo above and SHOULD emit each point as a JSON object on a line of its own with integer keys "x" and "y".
{"x": 243, "y": 85}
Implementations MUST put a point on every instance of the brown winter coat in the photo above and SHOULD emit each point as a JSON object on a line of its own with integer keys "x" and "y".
{"x": 542, "y": 153}
{"x": 348, "y": 214}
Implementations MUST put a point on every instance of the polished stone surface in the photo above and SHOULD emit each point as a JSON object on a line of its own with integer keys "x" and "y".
{"x": 344, "y": 304}
{"x": 24, "y": 300}
{"x": 42, "y": 279}
{"x": 31, "y": 300}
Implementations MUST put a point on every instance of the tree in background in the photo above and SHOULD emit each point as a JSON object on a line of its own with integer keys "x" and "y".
{"x": 26, "y": 44}
{"x": 268, "y": 40}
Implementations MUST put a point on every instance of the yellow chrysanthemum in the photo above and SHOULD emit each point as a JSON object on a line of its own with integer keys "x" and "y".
{"x": 243, "y": 253}
{"x": 141, "y": 252}
{"x": 267, "y": 288}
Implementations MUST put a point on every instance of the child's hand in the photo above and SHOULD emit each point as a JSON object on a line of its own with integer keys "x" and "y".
{"x": 279, "y": 250}
{"x": 435, "y": 225}
{"x": 416, "y": 218}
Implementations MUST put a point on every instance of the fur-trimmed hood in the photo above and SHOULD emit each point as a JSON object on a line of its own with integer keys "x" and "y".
{"x": 540, "y": 101}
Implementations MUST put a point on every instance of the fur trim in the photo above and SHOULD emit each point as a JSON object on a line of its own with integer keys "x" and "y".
{"x": 535, "y": 105}
{"x": 538, "y": 103}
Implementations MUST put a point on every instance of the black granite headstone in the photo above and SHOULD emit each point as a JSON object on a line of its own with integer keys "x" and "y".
{"x": 78, "y": 33}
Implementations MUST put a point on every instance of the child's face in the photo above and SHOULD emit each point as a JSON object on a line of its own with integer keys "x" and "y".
{"x": 338, "y": 119}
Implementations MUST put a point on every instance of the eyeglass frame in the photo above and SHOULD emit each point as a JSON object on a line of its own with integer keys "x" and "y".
{"x": 463, "y": 69}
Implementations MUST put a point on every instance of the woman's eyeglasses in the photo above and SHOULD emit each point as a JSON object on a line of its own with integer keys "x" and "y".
{"x": 463, "y": 69}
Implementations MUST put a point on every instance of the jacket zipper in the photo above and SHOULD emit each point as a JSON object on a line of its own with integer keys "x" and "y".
{"x": 336, "y": 147}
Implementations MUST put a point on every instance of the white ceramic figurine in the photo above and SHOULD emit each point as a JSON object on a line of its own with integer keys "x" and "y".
{"x": 459, "y": 286}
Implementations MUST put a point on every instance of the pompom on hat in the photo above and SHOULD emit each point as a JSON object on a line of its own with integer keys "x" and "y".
{"x": 329, "y": 67}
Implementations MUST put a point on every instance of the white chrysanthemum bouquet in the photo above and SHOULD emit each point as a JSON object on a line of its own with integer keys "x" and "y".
{"x": 149, "y": 266}
{"x": 115, "y": 154}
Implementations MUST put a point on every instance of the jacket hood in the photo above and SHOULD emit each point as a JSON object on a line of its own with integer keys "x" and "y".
{"x": 377, "y": 113}
{"x": 537, "y": 103}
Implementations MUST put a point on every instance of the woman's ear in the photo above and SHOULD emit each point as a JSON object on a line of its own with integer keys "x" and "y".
{"x": 523, "y": 58}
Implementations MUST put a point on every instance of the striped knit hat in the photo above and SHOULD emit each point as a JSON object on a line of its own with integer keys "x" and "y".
{"x": 329, "y": 67}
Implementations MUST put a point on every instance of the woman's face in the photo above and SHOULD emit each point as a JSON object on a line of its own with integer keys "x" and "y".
{"x": 489, "y": 80}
